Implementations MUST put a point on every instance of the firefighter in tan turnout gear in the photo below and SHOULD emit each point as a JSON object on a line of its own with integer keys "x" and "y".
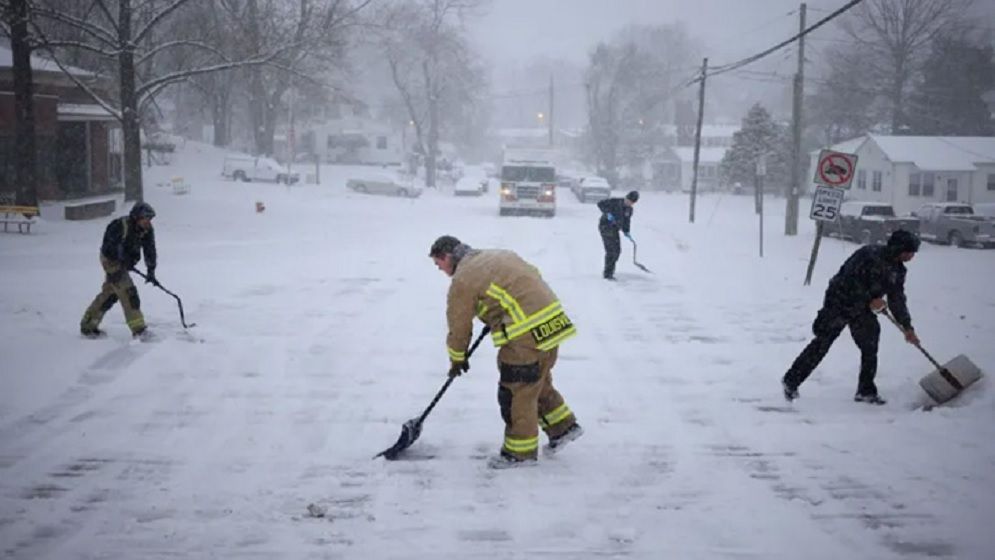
{"x": 125, "y": 240}
{"x": 527, "y": 325}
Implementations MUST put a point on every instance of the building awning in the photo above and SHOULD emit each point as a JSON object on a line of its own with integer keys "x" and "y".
{"x": 83, "y": 112}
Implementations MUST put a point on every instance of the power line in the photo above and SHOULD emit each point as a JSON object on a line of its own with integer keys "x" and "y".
{"x": 748, "y": 60}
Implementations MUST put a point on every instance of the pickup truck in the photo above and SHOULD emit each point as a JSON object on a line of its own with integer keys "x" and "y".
{"x": 955, "y": 223}
{"x": 248, "y": 168}
{"x": 870, "y": 222}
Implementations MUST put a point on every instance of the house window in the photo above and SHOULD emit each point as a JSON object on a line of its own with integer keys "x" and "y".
{"x": 862, "y": 179}
{"x": 381, "y": 142}
{"x": 876, "y": 185}
{"x": 915, "y": 184}
{"x": 991, "y": 181}
{"x": 928, "y": 180}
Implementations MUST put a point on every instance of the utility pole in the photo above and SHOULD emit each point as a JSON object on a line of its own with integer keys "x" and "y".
{"x": 697, "y": 136}
{"x": 551, "y": 110}
{"x": 794, "y": 189}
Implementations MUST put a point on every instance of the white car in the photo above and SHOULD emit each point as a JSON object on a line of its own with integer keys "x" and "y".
{"x": 384, "y": 183}
{"x": 592, "y": 189}
{"x": 470, "y": 185}
{"x": 249, "y": 168}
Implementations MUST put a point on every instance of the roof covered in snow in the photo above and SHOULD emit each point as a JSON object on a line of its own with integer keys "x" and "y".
{"x": 930, "y": 153}
{"x": 38, "y": 63}
{"x": 706, "y": 155}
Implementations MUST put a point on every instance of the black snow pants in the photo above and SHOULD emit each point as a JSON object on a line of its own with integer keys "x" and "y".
{"x": 828, "y": 325}
{"x": 613, "y": 248}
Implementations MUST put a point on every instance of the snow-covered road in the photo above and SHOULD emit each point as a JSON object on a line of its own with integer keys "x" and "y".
{"x": 321, "y": 330}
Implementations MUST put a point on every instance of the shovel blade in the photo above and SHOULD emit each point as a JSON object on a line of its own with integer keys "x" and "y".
{"x": 643, "y": 268}
{"x": 947, "y": 382}
{"x": 409, "y": 433}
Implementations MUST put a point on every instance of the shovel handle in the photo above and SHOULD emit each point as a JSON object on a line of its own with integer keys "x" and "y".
{"x": 891, "y": 318}
{"x": 449, "y": 381}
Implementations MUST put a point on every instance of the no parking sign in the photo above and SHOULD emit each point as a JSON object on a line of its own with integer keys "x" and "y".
{"x": 835, "y": 169}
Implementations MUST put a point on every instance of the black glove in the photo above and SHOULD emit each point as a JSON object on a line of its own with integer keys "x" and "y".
{"x": 457, "y": 368}
{"x": 150, "y": 277}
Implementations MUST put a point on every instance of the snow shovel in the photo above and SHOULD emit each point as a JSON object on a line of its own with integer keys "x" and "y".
{"x": 948, "y": 380}
{"x": 634, "y": 261}
{"x": 178, "y": 301}
{"x": 412, "y": 428}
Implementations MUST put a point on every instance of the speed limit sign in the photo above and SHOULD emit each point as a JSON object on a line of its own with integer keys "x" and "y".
{"x": 826, "y": 204}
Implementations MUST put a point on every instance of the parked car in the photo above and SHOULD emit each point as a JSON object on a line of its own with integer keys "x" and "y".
{"x": 249, "y": 168}
{"x": 870, "y": 222}
{"x": 592, "y": 189}
{"x": 386, "y": 183}
{"x": 955, "y": 223}
{"x": 470, "y": 185}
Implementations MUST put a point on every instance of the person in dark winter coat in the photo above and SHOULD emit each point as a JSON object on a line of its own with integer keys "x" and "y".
{"x": 125, "y": 240}
{"x": 855, "y": 294}
{"x": 616, "y": 215}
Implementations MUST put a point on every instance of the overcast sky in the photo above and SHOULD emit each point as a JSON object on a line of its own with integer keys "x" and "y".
{"x": 516, "y": 30}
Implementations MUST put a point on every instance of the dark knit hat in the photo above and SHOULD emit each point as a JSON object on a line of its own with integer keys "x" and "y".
{"x": 444, "y": 245}
{"x": 142, "y": 210}
{"x": 902, "y": 241}
{"x": 633, "y": 196}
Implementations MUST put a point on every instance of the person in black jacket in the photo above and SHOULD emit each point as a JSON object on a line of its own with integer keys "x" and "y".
{"x": 616, "y": 214}
{"x": 125, "y": 239}
{"x": 855, "y": 294}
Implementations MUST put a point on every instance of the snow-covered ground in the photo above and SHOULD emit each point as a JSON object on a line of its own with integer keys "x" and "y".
{"x": 321, "y": 330}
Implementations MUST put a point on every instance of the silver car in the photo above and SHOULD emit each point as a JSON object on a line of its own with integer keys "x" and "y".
{"x": 384, "y": 183}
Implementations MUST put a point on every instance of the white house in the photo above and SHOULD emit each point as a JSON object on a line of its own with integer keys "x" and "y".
{"x": 354, "y": 140}
{"x": 909, "y": 171}
{"x": 674, "y": 170}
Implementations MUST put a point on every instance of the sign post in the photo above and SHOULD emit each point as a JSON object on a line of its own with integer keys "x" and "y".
{"x": 834, "y": 172}
{"x": 761, "y": 171}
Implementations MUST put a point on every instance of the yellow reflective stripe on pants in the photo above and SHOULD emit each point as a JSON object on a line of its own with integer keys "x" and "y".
{"x": 555, "y": 416}
{"x": 521, "y": 446}
{"x": 507, "y": 302}
{"x": 556, "y": 340}
{"x": 456, "y": 355}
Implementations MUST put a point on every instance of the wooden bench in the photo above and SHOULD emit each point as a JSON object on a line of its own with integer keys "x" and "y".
{"x": 21, "y": 216}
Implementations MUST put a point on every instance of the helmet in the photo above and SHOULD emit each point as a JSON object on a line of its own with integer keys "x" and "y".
{"x": 633, "y": 196}
{"x": 142, "y": 210}
{"x": 444, "y": 245}
{"x": 902, "y": 241}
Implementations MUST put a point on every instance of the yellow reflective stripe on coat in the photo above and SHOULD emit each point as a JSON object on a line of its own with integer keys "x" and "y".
{"x": 521, "y": 445}
{"x": 556, "y": 416}
{"x": 556, "y": 340}
{"x": 534, "y": 320}
{"x": 456, "y": 355}
{"x": 500, "y": 337}
{"x": 507, "y": 302}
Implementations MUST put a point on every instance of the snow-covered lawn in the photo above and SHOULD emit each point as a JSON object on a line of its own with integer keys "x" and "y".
{"x": 321, "y": 330}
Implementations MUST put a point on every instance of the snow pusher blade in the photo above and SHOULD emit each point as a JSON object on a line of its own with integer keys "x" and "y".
{"x": 412, "y": 428}
{"x": 947, "y": 380}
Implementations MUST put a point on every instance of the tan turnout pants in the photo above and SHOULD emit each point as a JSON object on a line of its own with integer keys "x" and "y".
{"x": 117, "y": 287}
{"x": 528, "y": 399}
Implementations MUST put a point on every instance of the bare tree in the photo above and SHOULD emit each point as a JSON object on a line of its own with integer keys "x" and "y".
{"x": 431, "y": 64}
{"x": 15, "y": 16}
{"x": 631, "y": 83}
{"x": 894, "y": 36}
{"x": 125, "y": 32}
{"x": 317, "y": 31}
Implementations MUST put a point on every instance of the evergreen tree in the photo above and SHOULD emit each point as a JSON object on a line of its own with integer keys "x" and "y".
{"x": 760, "y": 135}
{"x": 949, "y": 100}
